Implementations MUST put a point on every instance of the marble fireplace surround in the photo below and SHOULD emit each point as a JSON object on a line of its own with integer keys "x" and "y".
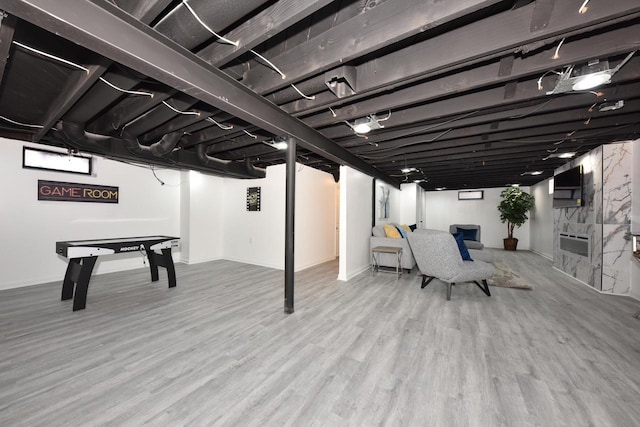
{"x": 604, "y": 221}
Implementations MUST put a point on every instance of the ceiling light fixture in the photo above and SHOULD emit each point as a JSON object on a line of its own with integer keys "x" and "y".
{"x": 440, "y": 188}
{"x": 565, "y": 155}
{"x": 408, "y": 170}
{"x": 365, "y": 125}
{"x": 279, "y": 145}
{"x": 580, "y": 78}
{"x": 532, "y": 173}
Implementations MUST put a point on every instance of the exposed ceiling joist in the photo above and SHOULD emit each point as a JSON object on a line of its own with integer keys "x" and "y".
{"x": 125, "y": 40}
{"x": 577, "y": 51}
{"x": 375, "y": 29}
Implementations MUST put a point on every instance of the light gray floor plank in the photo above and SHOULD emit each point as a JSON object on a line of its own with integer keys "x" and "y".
{"x": 218, "y": 350}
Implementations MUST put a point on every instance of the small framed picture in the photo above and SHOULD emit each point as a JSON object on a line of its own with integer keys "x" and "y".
{"x": 253, "y": 199}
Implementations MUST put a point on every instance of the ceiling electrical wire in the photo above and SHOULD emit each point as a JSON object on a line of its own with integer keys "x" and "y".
{"x": 311, "y": 98}
{"x": 20, "y": 123}
{"x": 220, "y": 125}
{"x": 195, "y": 15}
{"x": 194, "y": 113}
{"x": 405, "y": 145}
{"x": 130, "y": 92}
{"x": 80, "y": 67}
{"x": 48, "y": 55}
{"x": 235, "y": 43}
{"x": 249, "y": 133}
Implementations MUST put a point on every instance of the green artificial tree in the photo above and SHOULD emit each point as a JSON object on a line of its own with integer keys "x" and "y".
{"x": 513, "y": 209}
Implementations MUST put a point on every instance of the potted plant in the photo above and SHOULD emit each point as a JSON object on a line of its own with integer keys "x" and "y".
{"x": 513, "y": 209}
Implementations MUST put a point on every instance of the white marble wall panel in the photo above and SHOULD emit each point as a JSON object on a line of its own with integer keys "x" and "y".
{"x": 617, "y": 168}
{"x": 595, "y": 191}
{"x": 583, "y": 221}
{"x": 616, "y": 257}
{"x": 587, "y": 270}
{"x": 616, "y": 232}
{"x": 605, "y": 218}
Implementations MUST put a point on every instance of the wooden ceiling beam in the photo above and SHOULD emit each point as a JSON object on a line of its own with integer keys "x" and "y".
{"x": 601, "y": 45}
{"x": 475, "y": 103}
{"x": 7, "y": 28}
{"x": 387, "y": 23}
{"x": 125, "y": 40}
{"x": 564, "y": 130}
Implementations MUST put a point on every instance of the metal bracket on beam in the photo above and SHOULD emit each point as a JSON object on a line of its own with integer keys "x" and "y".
{"x": 342, "y": 81}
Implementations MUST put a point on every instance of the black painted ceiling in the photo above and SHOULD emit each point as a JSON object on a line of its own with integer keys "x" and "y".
{"x": 459, "y": 87}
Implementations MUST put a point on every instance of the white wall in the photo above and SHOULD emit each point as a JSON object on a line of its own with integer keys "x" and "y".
{"x": 315, "y": 234}
{"x": 442, "y": 208}
{"x": 258, "y": 237}
{"x": 541, "y": 220}
{"x": 30, "y": 228}
{"x": 409, "y": 200}
{"x": 355, "y": 222}
{"x": 201, "y": 227}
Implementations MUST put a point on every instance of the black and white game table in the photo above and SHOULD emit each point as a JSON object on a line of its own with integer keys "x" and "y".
{"x": 82, "y": 255}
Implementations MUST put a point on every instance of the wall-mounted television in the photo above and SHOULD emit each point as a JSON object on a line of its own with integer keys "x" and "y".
{"x": 567, "y": 188}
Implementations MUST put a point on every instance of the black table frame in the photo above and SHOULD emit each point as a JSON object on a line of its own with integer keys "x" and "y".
{"x": 78, "y": 274}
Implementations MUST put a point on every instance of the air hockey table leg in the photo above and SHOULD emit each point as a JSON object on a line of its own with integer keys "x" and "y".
{"x": 168, "y": 264}
{"x": 70, "y": 278}
{"x": 82, "y": 285}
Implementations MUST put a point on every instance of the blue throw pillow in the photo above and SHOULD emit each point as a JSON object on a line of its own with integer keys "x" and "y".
{"x": 464, "y": 252}
{"x": 468, "y": 234}
{"x": 402, "y": 232}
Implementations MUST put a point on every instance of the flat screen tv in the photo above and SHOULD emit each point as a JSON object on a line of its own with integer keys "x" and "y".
{"x": 567, "y": 188}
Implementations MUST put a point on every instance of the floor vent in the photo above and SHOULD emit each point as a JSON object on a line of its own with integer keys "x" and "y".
{"x": 576, "y": 244}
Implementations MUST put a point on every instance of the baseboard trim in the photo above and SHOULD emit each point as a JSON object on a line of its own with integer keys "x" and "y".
{"x": 542, "y": 254}
{"x": 199, "y": 261}
{"x": 591, "y": 287}
{"x": 352, "y": 275}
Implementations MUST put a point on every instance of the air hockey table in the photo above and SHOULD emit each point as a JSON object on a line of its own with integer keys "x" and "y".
{"x": 82, "y": 255}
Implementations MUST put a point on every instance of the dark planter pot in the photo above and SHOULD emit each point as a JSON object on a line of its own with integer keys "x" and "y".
{"x": 510, "y": 244}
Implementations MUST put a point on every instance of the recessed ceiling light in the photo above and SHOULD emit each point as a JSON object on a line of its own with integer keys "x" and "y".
{"x": 441, "y": 188}
{"x": 591, "y": 80}
{"x": 408, "y": 170}
{"x": 365, "y": 125}
{"x": 566, "y": 155}
{"x": 281, "y": 145}
{"x": 586, "y": 76}
{"x": 531, "y": 173}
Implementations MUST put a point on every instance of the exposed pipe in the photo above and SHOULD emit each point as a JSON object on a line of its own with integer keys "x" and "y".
{"x": 75, "y": 133}
{"x": 229, "y": 166}
{"x": 159, "y": 149}
{"x": 161, "y": 152}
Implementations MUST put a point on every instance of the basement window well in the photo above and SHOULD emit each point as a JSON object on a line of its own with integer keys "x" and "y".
{"x": 33, "y": 158}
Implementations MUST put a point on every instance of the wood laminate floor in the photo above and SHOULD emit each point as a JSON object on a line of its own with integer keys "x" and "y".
{"x": 218, "y": 350}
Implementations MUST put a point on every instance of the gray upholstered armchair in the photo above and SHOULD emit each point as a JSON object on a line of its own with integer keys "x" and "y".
{"x": 437, "y": 255}
{"x": 468, "y": 229}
